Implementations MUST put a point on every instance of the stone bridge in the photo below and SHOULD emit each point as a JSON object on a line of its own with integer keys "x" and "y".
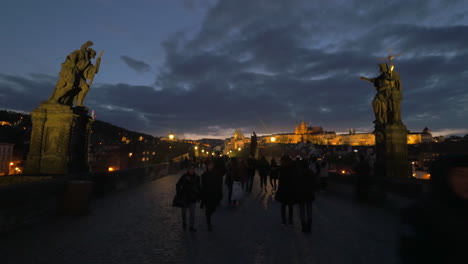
{"x": 138, "y": 225}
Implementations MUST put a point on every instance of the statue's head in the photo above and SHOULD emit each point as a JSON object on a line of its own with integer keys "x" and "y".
{"x": 92, "y": 53}
{"x": 383, "y": 67}
{"x": 88, "y": 44}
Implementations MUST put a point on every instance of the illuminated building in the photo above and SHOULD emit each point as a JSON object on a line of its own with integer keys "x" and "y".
{"x": 6, "y": 153}
{"x": 316, "y": 135}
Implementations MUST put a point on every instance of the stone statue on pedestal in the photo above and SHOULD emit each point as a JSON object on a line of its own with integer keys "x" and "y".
{"x": 60, "y": 132}
{"x": 391, "y": 146}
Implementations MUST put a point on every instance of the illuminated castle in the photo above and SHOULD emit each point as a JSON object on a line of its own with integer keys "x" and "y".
{"x": 317, "y": 136}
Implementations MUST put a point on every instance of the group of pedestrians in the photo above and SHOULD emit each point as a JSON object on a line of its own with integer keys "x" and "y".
{"x": 298, "y": 183}
{"x": 294, "y": 182}
{"x": 206, "y": 189}
{"x": 433, "y": 230}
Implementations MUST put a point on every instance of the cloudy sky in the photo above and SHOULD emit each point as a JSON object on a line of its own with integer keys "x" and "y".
{"x": 202, "y": 68}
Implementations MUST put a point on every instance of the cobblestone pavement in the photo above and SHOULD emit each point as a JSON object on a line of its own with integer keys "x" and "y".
{"x": 140, "y": 226}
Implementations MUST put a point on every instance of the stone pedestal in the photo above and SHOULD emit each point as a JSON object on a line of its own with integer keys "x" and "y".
{"x": 392, "y": 151}
{"x": 59, "y": 140}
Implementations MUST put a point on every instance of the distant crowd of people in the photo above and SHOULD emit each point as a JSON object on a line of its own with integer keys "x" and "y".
{"x": 294, "y": 182}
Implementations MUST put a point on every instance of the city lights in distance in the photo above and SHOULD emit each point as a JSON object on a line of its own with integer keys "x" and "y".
{"x": 273, "y": 139}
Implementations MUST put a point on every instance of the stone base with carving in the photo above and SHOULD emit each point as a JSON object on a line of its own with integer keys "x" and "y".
{"x": 59, "y": 140}
{"x": 392, "y": 151}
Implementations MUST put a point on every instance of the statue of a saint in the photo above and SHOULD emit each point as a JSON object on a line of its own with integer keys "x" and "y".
{"x": 386, "y": 103}
{"x": 72, "y": 85}
{"x": 379, "y": 103}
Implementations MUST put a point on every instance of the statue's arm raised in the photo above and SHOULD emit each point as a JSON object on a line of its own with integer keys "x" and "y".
{"x": 371, "y": 80}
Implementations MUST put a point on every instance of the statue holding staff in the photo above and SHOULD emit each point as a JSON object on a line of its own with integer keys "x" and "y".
{"x": 72, "y": 85}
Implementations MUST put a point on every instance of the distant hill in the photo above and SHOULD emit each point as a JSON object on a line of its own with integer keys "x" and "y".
{"x": 17, "y": 130}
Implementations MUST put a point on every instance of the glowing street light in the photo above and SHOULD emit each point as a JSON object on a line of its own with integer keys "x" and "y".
{"x": 171, "y": 136}
{"x": 202, "y": 150}
{"x": 196, "y": 147}
{"x": 273, "y": 139}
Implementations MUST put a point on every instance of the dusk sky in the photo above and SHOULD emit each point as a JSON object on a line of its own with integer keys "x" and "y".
{"x": 202, "y": 68}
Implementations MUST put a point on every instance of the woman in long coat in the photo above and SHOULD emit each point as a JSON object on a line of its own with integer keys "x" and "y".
{"x": 211, "y": 191}
{"x": 286, "y": 189}
{"x": 306, "y": 186}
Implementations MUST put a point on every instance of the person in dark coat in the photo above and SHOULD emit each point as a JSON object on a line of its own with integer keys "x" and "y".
{"x": 273, "y": 174}
{"x": 306, "y": 186}
{"x": 251, "y": 167}
{"x": 211, "y": 191}
{"x": 363, "y": 180}
{"x": 229, "y": 180}
{"x": 286, "y": 189}
{"x": 242, "y": 174}
{"x": 435, "y": 229}
{"x": 263, "y": 170}
{"x": 188, "y": 187}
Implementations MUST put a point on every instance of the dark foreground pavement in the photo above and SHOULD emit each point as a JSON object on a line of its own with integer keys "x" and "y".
{"x": 140, "y": 226}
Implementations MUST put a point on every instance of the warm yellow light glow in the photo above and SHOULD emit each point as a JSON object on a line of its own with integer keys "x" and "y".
{"x": 140, "y": 138}
{"x": 202, "y": 150}
{"x": 239, "y": 149}
{"x": 171, "y": 136}
{"x": 343, "y": 172}
{"x": 273, "y": 139}
{"x": 11, "y": 164}
{"x": 110, "y": 169}
{"x": 154, "y": 153}
{"x": 412, "y": 162}
{"x": 130, "y": 154}
{"x": 196, "y": 147}
{"x": 212, "y": 153}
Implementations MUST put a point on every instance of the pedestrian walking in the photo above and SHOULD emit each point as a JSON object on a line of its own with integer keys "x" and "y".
{"x": 251, "y": 167}
{"x": 211, "y": 191}
{"x": 435, "y": 229}
{"x": 263, "y": 171}
{"x": 242, "y": 174}
{"x": 188, "y": 189}
{"x": 306, "y": 186}
{"x": 273, "y": 174}
{"x": 286, "y": 190}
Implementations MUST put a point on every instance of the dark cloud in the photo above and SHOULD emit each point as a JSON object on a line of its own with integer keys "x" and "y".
{"x": 305, "y": 58}
{"x": 264, "y": 65}
{"x": 137, "y": 65}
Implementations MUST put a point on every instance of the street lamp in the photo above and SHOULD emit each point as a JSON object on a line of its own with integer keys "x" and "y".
{"x": 196, "y": 147}
{"x": 171, "y": 136}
